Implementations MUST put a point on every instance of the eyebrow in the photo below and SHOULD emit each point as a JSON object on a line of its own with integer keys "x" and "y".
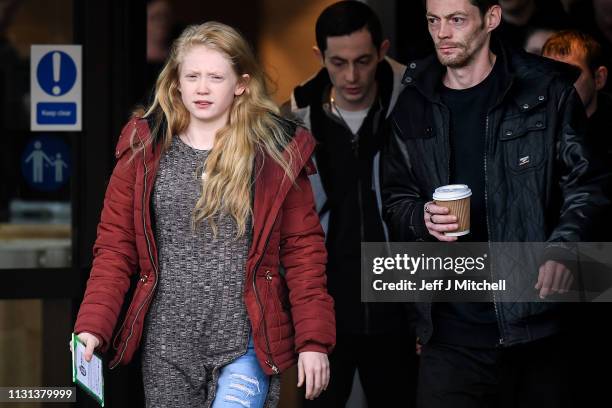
{"x": 334, "y": 57}
{"x": 451, "y": 15}
{"x": 197, "y": 71}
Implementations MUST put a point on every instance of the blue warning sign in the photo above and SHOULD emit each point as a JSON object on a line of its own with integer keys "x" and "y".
{"x": 56, "y": 73}
{"x": 55, "y": 87}
{"x": 45, "y": 163}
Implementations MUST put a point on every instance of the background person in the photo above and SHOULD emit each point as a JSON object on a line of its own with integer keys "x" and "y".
{"x": 346, "y": 105}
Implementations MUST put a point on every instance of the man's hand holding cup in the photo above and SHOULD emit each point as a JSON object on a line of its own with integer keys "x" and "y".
{"x": 438, "y": 221}
{"x": 448, "y": 216}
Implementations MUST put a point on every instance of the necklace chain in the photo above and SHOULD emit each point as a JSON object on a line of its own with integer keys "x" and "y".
{"x": 334, "y": 105}
{"x": 189, "y": 142}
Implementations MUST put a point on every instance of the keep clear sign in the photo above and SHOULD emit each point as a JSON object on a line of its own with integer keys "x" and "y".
{"x": 55, "y": 83}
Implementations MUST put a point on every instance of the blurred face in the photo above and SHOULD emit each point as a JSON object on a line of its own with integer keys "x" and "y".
{"x": 536, "y": 41}
{"x": 158, "y": 20}
{"x": 513, "y": 5}
{"x": 208, "y": 84}
{"x": 457, "y": 29}
{"x": 603, "y": 16}
{"x": 585, "y": 84}
{"x": 351, "y": 61}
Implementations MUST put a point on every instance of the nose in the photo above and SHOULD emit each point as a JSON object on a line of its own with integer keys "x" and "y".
{"x": 352, "y": 74}
{"x": 202, "y": 88}
{"x": 444, "y": 31}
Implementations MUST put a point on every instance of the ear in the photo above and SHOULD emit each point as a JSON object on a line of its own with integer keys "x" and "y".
{"x": 601, "y": 78}
{"x": 242, "y": 84}
{"x": 318, "y": 54}
{"x": 493, "y": 17}
{"x": 384, "y": 47}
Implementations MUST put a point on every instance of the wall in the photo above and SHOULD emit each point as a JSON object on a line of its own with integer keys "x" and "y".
{"x": 285, "y": 42}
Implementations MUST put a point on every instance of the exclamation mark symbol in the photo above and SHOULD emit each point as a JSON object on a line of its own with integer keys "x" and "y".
{"x": 57, "y": 59}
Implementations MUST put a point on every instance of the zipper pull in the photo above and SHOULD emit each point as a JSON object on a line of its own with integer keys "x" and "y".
{"x": 274, "y": 368}
{"x": 268, "y": 275}
{"x": 355, "y": 146}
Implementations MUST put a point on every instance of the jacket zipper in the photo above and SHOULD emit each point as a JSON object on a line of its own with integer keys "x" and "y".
{"x": 354, "y": 141}
{"x": 448, "y": 147}
{"x": 144, "y": 224}
{"x": 270, "y": 360}
{"x": 497, "y": 317}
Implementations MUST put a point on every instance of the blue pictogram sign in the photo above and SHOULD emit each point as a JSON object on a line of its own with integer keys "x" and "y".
{"x": 45, "y": 163}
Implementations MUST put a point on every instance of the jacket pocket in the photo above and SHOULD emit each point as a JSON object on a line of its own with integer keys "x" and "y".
{"x": 272, "y": 308}
{"x": 523, "y": 141}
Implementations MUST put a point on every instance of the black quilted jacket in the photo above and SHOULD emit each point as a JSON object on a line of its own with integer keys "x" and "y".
{"x": 541, "y": 183}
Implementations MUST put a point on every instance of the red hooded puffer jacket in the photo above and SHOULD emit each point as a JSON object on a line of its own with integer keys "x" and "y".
{"x": 289, "y": 314}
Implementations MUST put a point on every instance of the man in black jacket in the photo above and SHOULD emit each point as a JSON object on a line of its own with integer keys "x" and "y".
{"x": 345, "y": 105}
{"x": 511, "y": 126}
{"x": 584, "y": 52}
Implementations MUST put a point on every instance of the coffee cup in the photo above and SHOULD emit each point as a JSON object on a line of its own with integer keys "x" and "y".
{"x": 455, "y": 197}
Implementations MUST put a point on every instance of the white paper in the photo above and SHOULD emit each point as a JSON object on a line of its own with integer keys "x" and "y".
{"x": 88, "y": 374}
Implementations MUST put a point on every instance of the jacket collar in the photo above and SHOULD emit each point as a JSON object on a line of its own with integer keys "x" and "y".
{"x": 524, "y": 77}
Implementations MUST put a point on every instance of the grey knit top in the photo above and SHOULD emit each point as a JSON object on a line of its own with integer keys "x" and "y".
{"x": 198, "y": 312}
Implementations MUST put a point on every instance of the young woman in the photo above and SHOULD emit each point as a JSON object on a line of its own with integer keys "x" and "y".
{"x": 210, "y": 196}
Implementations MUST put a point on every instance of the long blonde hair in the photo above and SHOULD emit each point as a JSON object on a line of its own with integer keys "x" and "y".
{"x": 254, "y": 125}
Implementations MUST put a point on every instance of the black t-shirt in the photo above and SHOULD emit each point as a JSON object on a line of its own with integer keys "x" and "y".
{"x": 468, "y": 116}
{"x": 470, "y": 324}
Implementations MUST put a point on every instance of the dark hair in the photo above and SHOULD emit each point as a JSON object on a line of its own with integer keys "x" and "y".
{"x": 344, "y": 18}
{"x": 565, "y": 42}
{"x": 484, "y": 5}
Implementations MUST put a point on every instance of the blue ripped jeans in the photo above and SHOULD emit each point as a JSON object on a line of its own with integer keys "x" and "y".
{"x": 242, "y": 383}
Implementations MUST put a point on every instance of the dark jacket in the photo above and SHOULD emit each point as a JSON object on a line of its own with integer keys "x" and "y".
{"x": 348, "y": 195}
{"x": 289, "y": 313}
{"x": 541, "y": 184}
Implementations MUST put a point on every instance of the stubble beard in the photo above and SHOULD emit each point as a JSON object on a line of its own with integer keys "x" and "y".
{"x": 466, "y": 53}
{"x": 455, "y": 61}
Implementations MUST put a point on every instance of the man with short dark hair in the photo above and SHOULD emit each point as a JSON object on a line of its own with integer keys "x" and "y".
{"x": 345, "y": 105}
{"x": 511, "y": 126}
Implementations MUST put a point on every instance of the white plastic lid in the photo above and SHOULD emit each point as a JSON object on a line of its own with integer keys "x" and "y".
{"x": 452, "y": 192}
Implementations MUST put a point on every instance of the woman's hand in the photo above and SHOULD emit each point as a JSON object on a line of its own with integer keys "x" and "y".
{"x": 90, "y": 341}
{"x": 314, "y": 368}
